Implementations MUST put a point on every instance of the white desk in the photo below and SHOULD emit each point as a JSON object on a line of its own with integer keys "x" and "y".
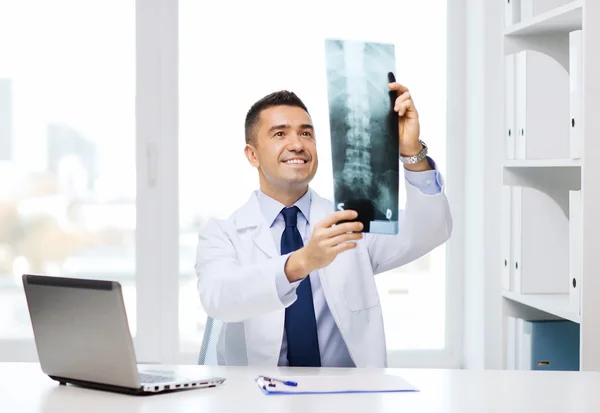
{"x": 23, "y": 388}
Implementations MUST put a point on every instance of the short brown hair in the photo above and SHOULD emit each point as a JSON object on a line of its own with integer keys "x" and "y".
{"x": 279, "y": 98}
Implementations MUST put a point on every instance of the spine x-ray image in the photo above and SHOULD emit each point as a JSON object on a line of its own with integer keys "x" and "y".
{"x": 364, "y": 131}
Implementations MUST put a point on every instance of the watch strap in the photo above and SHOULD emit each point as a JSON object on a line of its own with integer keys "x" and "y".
{"x": 415, "y": 158}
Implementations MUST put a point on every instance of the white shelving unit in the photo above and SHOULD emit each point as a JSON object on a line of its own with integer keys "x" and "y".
{"x": 550, "y": 226}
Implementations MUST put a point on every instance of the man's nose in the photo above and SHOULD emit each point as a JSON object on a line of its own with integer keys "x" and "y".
{"x": 295, "y": 143}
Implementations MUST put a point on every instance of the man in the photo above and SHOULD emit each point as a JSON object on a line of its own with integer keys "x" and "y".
{"x": 291, "y": 286}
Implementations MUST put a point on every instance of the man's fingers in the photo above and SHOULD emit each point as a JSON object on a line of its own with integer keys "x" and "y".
{"x": 401, "y": 108}
{"x": 346, "y": 227}
{"x": 398, "y": 87}
{"x": 403, "y": 101}
{"x": 337, "y": 216}
{"x": 344, "y": 246}
{"x": 402, "y": 98}
{"x": 338, "y": 239}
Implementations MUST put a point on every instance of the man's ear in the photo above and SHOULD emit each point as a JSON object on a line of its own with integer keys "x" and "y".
{"x": 251, "y": 155}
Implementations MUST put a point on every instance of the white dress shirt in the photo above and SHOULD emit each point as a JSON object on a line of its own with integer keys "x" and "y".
{"x": 333, "y": 350}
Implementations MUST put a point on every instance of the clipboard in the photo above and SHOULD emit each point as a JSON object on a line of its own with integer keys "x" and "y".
{"x": 335, "y": 384}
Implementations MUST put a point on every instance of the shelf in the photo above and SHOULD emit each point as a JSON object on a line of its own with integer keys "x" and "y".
{"x": 560, "y": 20}
{"x": 542, "y": 163}
{"x": 546, "y": 175}
{"x": 552, "y": 304}
{"x": 552, "y": 177}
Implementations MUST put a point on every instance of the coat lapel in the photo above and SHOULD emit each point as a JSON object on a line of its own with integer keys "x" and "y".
{"x": 250, "y": 217}
{"x": 320, "y": 208}
{"x": 263, "y": 239}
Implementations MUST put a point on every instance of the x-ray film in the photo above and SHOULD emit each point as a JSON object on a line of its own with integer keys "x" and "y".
{"x": 364, "y": 131}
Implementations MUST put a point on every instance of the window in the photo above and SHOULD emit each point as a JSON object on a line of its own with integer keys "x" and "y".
{"x": 230, "y": 60}
{"x": 67, "y": 149}
{"x": 88, "y": 120}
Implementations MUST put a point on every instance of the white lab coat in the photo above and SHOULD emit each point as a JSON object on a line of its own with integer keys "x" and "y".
{"x": 237, "y": 261}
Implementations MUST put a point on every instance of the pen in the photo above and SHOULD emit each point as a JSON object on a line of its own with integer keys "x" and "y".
{"x": 286, "y": 382}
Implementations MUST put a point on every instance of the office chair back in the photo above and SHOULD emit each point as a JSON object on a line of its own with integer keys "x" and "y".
{"x": 208, "y": 349}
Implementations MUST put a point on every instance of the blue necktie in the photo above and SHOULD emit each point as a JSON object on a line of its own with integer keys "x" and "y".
{"x": 300, "y": 321}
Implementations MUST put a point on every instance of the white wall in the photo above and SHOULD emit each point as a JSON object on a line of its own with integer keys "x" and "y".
{"x": 456, "y": 138}
{"x": 483, "y": 154}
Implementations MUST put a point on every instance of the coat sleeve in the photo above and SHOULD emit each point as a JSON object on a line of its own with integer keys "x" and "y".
{"x": 231, "y": 292}
{"x": 423, "y": 225}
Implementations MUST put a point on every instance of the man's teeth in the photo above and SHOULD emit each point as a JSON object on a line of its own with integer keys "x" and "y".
{"x": 295, "y": 161}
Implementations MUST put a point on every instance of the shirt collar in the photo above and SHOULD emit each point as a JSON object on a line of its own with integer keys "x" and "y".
{"x": 271, "y": 208}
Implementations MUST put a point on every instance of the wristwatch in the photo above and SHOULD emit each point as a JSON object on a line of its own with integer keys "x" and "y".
{"x": 415, "y": 158}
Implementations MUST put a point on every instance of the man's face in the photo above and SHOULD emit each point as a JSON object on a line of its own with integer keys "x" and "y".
{"x": 285, "y": 150}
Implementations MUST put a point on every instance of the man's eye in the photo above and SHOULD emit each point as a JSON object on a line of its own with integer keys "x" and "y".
{"x": 307, "y": 134}
{"x": 280, "y": 133}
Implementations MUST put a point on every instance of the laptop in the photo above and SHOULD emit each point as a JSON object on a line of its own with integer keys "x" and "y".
{"x": 82, "y": 337}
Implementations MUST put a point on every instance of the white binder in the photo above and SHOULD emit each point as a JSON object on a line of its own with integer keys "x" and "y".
{"x": 531, "y": 8}
{"x": 575, "y": 96}
{"x": 575, "y": 251}
{"x": 512, "y": 12}
{"x": 505, "y": 230}
{"x": 515, "y": 238}
{"x": 509, "y": 106}
{"x": 542, "y": 129}
{"x": 540, "y": 243}
{"x": 523, "y": 344}
{"x": 511, "y": 343}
